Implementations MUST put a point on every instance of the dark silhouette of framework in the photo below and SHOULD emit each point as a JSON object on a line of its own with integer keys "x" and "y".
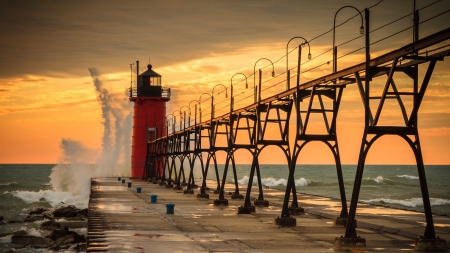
{"x": 253, "y": 121}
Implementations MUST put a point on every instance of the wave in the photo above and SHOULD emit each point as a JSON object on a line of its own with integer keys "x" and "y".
{"x": 408, "y": 176}
{"x": 6, "y": 239}
{"x": 379, "y": 179}
{"x": 54, "y": 198}
{"x": 413, "y": 202}
{"x": 13, "y": 183}
{"x": 271, "y": 181}
{"x": 31, "y": 231}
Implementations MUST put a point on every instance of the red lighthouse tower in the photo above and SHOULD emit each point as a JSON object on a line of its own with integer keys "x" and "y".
{"x": 149, "y": 115}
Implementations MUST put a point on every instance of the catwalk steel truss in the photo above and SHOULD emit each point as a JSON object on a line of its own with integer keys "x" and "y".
{"x": 246, "y": 128}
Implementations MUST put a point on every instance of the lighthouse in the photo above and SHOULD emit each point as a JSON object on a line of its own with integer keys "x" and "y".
{"x": 149, "y": 119}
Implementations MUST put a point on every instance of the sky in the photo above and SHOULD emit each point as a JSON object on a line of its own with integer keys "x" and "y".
{"x": 47, "y": 92}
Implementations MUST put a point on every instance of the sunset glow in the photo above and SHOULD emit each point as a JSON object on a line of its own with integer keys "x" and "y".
{"x": 47, "y": 93}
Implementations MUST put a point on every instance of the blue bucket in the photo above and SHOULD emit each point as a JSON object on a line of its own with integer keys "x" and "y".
{"x": 118, "y": 179}
{"x": 129, "y": 184}
{"x": 170, "y": 208}
{"x": 138, "y": 189}
{"x": 153, "y": 198}
{"x": 123, "y": 181}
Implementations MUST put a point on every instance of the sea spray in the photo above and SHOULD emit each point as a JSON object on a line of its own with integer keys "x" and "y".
{"x": 117, "y": 116}
{"x": 72, "y": 175}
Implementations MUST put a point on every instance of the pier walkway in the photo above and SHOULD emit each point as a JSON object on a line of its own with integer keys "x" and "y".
{"x": 122, "y": 220}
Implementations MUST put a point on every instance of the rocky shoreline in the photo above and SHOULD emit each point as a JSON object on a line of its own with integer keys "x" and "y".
{"x": 54, "y": 230}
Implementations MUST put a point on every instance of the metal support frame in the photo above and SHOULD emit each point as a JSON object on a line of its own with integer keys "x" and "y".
{"x": 253, "y": 121}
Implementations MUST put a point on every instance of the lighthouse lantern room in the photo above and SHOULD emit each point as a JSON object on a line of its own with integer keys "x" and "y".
{"x": 149, "y": 118}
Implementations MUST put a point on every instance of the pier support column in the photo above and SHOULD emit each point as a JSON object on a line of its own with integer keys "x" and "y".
{"x": 430, "y": 244}
{"x": 350, "y": 244}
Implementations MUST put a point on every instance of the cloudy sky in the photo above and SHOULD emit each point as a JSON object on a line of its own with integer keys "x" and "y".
{"x": 46, "y": 48}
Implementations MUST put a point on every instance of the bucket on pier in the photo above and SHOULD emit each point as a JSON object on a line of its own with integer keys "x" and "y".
{"x": 123, "y": 181}
{"x": 138, "y": 189}
{"x": 129, "y": 184}
{"x": 170, "y": 208}
{"x": 153, "y": 198}
{"x": 118, "y": 179}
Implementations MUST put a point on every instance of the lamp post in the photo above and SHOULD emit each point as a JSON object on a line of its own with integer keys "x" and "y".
{"x": 195, "y": 116}
{"x": 212, "y": 98}
{"x": 254, "y": 71}
{"x": 231, "y": 87}
{"x": 200, "y": 104}
{"x": 361, "y": 30}
{"x": 175, "y": 119}
{"x": 184, "y": 116}
{"x": 173, "y": 123}
{"x": 288, "y": 73}
{"x": 131, "y": 78}
{"x": 159, "y": 131}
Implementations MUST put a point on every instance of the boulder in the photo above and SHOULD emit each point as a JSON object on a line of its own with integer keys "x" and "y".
{"x": 79, "y": 247}
{"x": 65, "y": 211}
{"x": 33, "y": 218}
{"x": 62, "y": 237}
{"x": 31, "y": 240}
{"x": 47, "y": 217}
{"x": 20, "y": 232}
{"x": 83, "y": 212}
{"x": 50, "y": 225}
{"x": 37, "y": 211}
{"x": 14, "y": 221}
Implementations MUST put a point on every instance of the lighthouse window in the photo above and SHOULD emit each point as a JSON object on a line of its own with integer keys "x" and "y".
{"x": 155, "y": 81}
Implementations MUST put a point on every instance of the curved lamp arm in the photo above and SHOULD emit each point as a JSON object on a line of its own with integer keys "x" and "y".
{"x": 361, "y": 30}
{"x": 287, "y": 46}
{"x": 231, "y": 87}
{"x": 195, "y": 117}
{"x": 254, "y": 74}
{"x": 226, "y": 92}
{"x": 212, "y": 98}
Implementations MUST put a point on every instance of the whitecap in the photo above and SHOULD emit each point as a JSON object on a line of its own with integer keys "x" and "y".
{"x": 413, "y": 202}
{"x": 379, "y": 179}
{"x": 408, "y": 176}
{"x": 10, "y": 183}
{"x": 55, "y": 198}
{"x": 244, "y": 180}
{"x": 271, "y": 181}
{"x": 301, "y": 182}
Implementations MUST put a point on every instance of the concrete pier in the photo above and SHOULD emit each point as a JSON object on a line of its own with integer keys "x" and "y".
{"x": 122, "y": 220}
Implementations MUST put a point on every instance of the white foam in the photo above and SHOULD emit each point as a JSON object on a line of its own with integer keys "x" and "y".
{"x": 379, "y": 179}
{"x": 413, "y": 202}
{"x": 34, "y": 232}
{"x": 6, "y": 239}
{"x": 301, "y": 182}
{"x": 54, "y": 198}
{"x": 271, "y": 181}
{"x": 408, "y": 176}
{"x": 9, "y": 183}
